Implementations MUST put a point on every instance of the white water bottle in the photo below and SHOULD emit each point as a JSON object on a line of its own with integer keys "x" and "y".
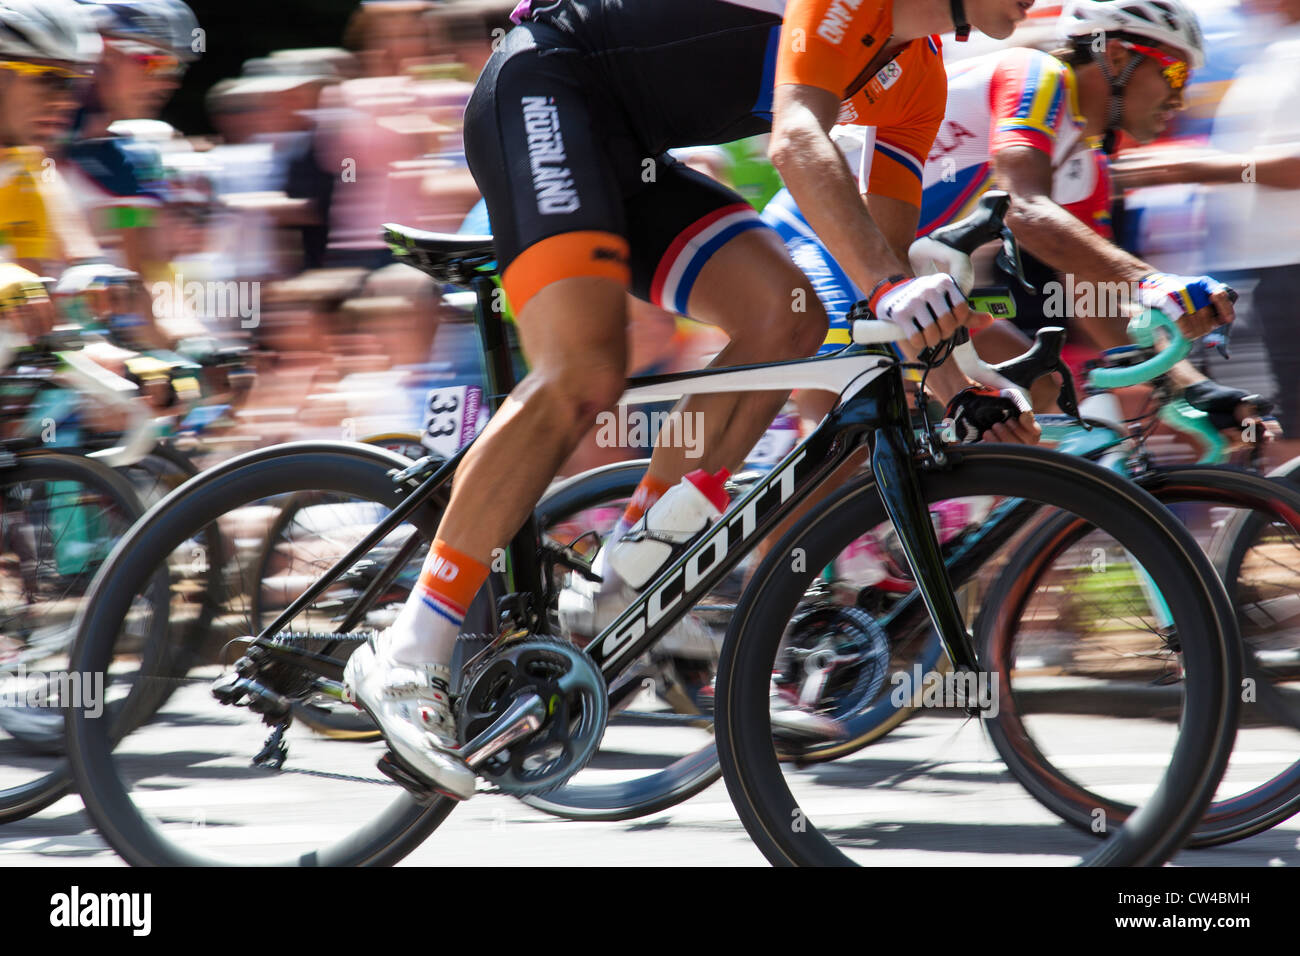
{"x": 686, "y": 509}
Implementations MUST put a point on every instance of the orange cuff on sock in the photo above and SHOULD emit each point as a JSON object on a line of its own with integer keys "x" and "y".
{"x": 451, "y": 575}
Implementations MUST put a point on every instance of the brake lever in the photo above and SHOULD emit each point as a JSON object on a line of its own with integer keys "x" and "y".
{"x": 1009, "y": 259}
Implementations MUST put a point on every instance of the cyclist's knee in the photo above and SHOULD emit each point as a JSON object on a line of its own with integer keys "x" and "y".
{"x": 808, "y": 330}
{"x": 796, "y": 328}
{"x": 575, "y": 395}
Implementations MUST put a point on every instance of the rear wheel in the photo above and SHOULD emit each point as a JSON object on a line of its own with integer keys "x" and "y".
{"x": 186, "y": 786}
{"x": 60, "y": 516}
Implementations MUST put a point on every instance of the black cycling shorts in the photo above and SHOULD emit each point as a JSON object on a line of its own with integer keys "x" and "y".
{"x": 572, "y": 191}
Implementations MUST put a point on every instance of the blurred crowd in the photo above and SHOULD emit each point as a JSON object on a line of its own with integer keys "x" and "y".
{"x": 316, "y": 148}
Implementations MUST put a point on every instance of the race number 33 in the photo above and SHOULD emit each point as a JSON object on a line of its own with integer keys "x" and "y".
{"x": 451, "y": 418}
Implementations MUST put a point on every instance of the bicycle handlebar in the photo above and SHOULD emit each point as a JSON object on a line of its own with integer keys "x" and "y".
{"x": 1141, "y": 329}
{"x": 141, "y": 432}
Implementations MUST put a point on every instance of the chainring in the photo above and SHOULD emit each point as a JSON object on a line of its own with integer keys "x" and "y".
{"x": 577, "y": 709}
{"x": 844, "y": 649}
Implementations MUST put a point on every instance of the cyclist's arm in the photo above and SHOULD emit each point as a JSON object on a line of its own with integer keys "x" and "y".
{"x": 1052, "y": 234}
{"x": 67, "y": 220}
{"x": 1272, "y": 166}
{"x": 814, "y": 171}
{"x": 898, "y": 221}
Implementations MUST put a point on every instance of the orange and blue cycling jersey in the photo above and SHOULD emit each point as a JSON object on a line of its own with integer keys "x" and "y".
{"x": 901, "y": 99}
{"x": 569, "y": 126}
{"x": 1013, "y": 98}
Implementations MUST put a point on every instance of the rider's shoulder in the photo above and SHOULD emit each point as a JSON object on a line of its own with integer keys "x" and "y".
{"x": 1028, "y": 62}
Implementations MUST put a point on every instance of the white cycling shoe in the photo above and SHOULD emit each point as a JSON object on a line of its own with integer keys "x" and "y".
{"x": 796, "y": 722}
{"x": 411, "y": 704}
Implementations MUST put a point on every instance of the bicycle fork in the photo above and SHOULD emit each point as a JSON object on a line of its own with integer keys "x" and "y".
{"x": 892, "y": 457}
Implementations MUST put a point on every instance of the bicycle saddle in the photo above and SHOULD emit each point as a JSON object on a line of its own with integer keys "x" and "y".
{"x": 447, "y": 257}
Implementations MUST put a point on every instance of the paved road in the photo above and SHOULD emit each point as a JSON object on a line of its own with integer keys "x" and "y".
{"x": 938, "y": 795}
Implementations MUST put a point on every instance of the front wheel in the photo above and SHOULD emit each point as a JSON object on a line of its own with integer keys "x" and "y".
{"x": 938, "y": 789}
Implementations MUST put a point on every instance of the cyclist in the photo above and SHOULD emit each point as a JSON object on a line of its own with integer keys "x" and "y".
{"x": 46, "y": 49}
{"x": 1040, "y": 126}
{"x": 119, "y": 181}
{"x": 567, "y": 135}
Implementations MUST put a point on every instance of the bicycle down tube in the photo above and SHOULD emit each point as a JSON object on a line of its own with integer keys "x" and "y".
{"x": 877, "y": 405}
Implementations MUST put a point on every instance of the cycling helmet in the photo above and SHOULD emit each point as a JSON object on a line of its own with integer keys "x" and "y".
{"x": 47, "y": 30}
{"x": 1169, "y": 22}
{"x": 169, "y": 24}
{"x": 1166, "y": 21}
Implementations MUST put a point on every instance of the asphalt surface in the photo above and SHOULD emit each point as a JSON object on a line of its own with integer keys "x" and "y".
{"x": 933, "y": 793}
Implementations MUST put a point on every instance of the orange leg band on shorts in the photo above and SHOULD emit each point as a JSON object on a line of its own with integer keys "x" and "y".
{"x": 570, "y": 255}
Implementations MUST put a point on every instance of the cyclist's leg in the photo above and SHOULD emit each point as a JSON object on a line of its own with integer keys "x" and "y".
{"x": 558, "y": 224}
{"x": 712, "y": 258}
{"x": 557, "y": 220}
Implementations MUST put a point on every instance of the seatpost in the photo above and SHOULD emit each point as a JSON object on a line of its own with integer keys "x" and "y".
{"x": 499, "y": 371}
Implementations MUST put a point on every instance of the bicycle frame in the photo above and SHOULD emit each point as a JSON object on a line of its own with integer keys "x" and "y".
{"x": 873, "y": 410}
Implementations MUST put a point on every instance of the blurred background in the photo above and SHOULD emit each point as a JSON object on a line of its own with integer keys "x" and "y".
{"x": 305, "y": 124}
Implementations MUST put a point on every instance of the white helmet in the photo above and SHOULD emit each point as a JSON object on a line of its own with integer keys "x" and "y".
{"x": 1166, "y": 21}
{"x": 47, "y": 30}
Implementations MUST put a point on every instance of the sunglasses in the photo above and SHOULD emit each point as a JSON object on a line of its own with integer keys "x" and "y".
{"x": 150, "y": 60}
{"x": 162, "y": 65}
{"x": 1175, "y": 71}
{"x": 57, "y": 80}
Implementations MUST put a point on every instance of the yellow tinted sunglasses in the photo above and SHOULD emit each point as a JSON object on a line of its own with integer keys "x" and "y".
{"x": 55, "y": 79}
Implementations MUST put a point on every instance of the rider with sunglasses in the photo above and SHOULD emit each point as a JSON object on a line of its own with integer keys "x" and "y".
{"x": 1041, "y": 127}
{"x": 120, "y": 182}
{"x": 47, "y": 48}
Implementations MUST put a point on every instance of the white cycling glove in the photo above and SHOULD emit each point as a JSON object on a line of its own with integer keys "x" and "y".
{"x": 915, "y": 304}
{"x": 1175, "y": 295}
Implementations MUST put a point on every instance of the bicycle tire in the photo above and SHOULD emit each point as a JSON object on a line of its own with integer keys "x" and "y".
{"x": 1211, "y": 654}
{"x": 22, "y": 800}
{"x": 1226, "y": 820}
{"x": 344, "y": 468}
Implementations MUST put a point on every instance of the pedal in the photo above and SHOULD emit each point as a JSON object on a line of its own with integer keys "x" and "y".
{"x": 388, "y": 765}
{"x": 232, "y": 689}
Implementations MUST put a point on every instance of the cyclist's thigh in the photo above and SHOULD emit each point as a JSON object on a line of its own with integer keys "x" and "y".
{"x": 699, "y": 249}
{"x": 536, "y": 138}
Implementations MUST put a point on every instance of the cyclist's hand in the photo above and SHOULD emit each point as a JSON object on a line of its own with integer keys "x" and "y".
{"x": 980, "y": 413}
{"x": 1199, "y": 304}
{"x": 1228, "y": 408}
{"x": 929, "y": 308}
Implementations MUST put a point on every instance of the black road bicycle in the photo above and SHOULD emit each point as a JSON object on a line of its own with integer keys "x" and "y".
{"x": 218, "y": 774}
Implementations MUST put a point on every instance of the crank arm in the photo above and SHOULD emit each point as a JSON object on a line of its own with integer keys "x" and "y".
{"x": 521, "y": 718}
